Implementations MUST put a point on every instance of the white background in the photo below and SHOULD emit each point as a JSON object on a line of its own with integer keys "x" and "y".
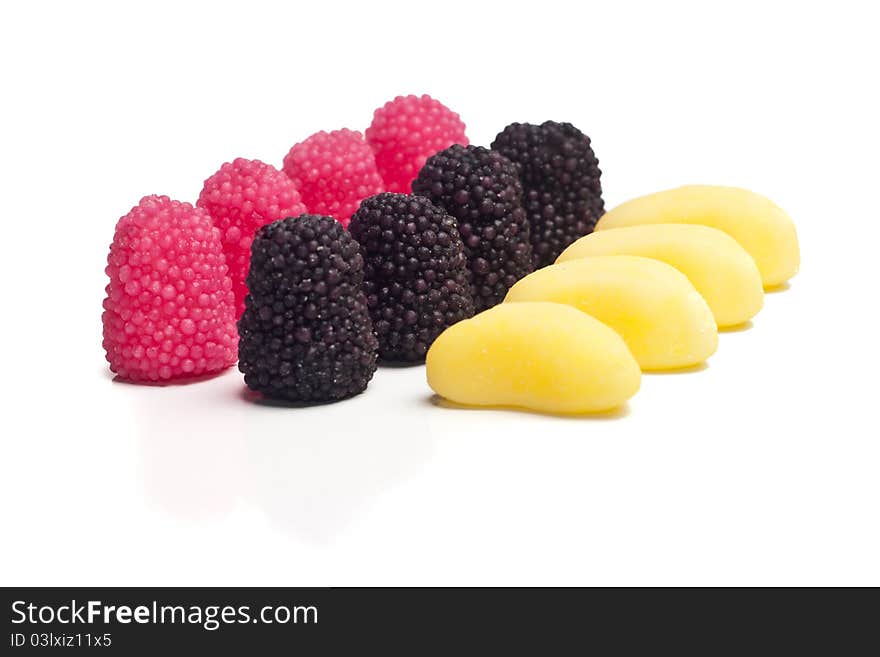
{"x": 763, "y": 468}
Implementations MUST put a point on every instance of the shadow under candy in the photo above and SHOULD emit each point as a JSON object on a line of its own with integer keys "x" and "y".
{"x": 738, "y": 328}
{"x": 773, "y": 289}
{"x": 614, "y": 414}
{"x": 689, "y": 369}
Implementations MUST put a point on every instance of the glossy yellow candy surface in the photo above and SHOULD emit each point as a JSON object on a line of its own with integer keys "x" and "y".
{"x": 721, "y": 270}
{"x": 654, "y": 307}
{"x": 762, "y": 228}
{"x": 542, "y": 356}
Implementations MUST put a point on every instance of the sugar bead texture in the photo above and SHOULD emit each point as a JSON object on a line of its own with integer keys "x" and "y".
{"x": 481, "y": 189}
{"x": 562, "y": 191}
{"x": 305, "y": 335}
{"x": 242, "y": 196}
{"x": 407, "y": 131}
{"x": 169, "y": 310}
{"x": 334, "y": 172}
{"x": 416, "y": 278}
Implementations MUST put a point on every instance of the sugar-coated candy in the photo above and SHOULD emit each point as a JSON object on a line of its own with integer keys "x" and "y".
{"x": 562, "y": 190}
{"x": 334, "y": 172}
{"x": 169, "y": 310}
{"x": 306, "y": 334}
{"x": 407, "y": 131}
{"x": 481, "y": 189}
{"x": 240, "y": 197}
{"x": 415, "y": 272}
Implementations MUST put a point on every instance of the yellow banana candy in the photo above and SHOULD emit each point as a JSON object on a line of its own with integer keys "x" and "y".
{"x": 662, "y": 318}
{"x": 717, "y": 266}
{"x": 762, "y": 228}
{"x": 541, "y": 356}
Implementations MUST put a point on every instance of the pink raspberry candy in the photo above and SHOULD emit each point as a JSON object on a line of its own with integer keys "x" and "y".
{"x": 334, "y": 172}
{"x": 407, "y": 131}
{"x": 242, "y": 196}
{"x": 169, "y": 310}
